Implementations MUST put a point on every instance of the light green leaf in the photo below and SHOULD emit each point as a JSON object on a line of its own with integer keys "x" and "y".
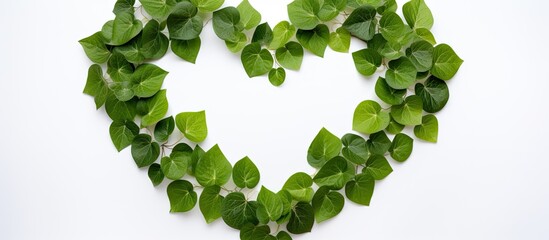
{"x": 420, "y": 54}
{"x": 409, "y": 112}
{"x": 303, "y": 13}
{"x": 426, "y": 35}
{"x": 299, "y": 186}
{"x": 123, "y": 6}
{"x": 434, "y": 94}
{"x": 417, "y": 14}
{"x": 302, "y": 218}
{"x": 164, "y": 129}
{"x": 362, "y": 22}
{"x": 277, "y": 76}
{"x": 402, "y": 146}
{"x": 226, "y": 24}
{"x": 392, "y": 27}
{"x": 324, "y": 147}
{"x": 446, "y": 62}
{"x": 147, "y": 80}
{"x": 256, "y": 61}
{"x": 249, "y": 17}
{"x": 155, "y": 174}
{"x": 120, "y": 111}
{"x": 378, "y": 167}
{"x": 245, "y": 173}
{"x": 210, "y": 203}
{"x": 355, "y": 149}
{"x": 213, "y": 168}
{"x": 182, "y": 196}
{"x": 186, "y": 49}
{"x": 340, "y": 40}
{"x": 358, "y": 3}
{"x": 315, "y": 40}
{"x": 394, "y": 127}
{"x": 144, "y": 150}
{"x": 334, "y": 174}
{"x": 401, "y": 73}
{"x": 95, "y": 48}
{"x": 367, "y": 61}
{"x": 369, "y": 118}
{"x": 207, "y": 5}
{"x": 237, "y": 46}
{"x": 290, "y": 56}
{"x": 388, "y": 94}
{"x": 282, "y": 33}
{"x": 236, "y": 211}
{"x": 192, "y": 125}
{"x": 175, "y": 166}
{"x": 106, "y": 31}
{"x": 122, "y": 133}
{"x": 327, "y": 204}
{"x": 159, "y": 9}
{"x": 263, "y": 34}
{"x": 157, "y": 107}
{"x": 378, "y": 143}
{"x": 361, "y": 189}
{"x": 331, "y": 9}
{"x": 124, "y": 28}
{"x": 428, "y": 130}
{"x": 271, "y": 203}
{"x": 184, "y": 23}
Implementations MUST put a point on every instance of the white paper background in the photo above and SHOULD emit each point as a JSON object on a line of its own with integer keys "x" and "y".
{"x": 485, "y": 179}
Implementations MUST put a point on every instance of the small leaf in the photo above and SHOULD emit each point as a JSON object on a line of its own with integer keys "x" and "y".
{"x": 182, "y": 196}
{"x": 417, "y": 14}
{"x": 428, "y": 130}
{"x": 210, "y": 203}
{"x": 402, "y": 146}
{"x": 334, "y": 174}
{"x": 324, "y": 147}
{"x": 245, "y": 173}
{"x": 302, "y": 219}
{"x": 367, "y": 61}
{"x": 290, "y": 56}
{"x": 340, "y": 40}
{"x": 434, "y": 94}
{"x": 144, "y": 150}
{"x": 95, "y": 48}
{"x": 263, "y": 34}
{"x": 299, "y": 186}
{"x": 282, "y": 33}
{"x": 157, "y": 107}
{"x": 446, "y": 62}
{"x": 256, "y": 61}
{"x": 369, "y": 118}
{"x": 226, "y": 24}
{"x": 409, "y": 112}
{"x": 327, "y": 204}
{"x": 186, "y": 49}
{"x": 164, "y": 129}
{"x": 155, "y": 174}
{"x": 401, "y": 73}
{"x": 213, "y": 168}
{"x": 207, "y": 5}
{"x": 124, "y": 28}
{"x": 249, "y": 17}
{"x": 362, "y": 22}
{"x": 122, "y": 133}
{"x": 277, "y": 76}
{"x": 315, "y": 40}
{"x": 271, "y": 203}
{"x": 192, "y": 125}
{"x": 378, "y": 143}
{"x": 303, "y": 13}
{"x": 236, "y": 211}
{"x": 378, "y": 167}
{"x": 361, "y": 189}
{"x": 355, "y": 148}
{"x": 388, "y": 94}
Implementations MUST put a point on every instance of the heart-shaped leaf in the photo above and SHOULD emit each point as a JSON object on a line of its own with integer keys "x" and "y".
{"x": 369, "y": 117}
{"x": 182, "y": 196}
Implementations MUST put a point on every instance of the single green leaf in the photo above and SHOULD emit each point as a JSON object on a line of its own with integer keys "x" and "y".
{"x": 401, "y": 73}
{"x": 271, "y": 202}
{"x": 132, "y": 50}
{"x": 428, "y": 130}
{"x": 186, "y": 49}
{"x": 394, "y": 127}
{"x": 210, "y": 203}
{"x": 251, "y": 232}
{"x": 327, "y": 204}
{"x": 147, "y": 80}
{"x": 420, "y": 54}
{"x": 192, "y": 125}
{"x": 124, "y": 28}
{"x": 164, "y": 129}
{"x": 256, "y": 61}
{"x": 426, "y": 35}
{"x": 123, "y": 6}
{"x": 392, "y": 27}
{"x": 120, "y": 111}
{"x": 340, "y": 40}
{"x": 155, "y": 174}
{"x": 144, "y": 150}
{"x": 282, "y": 33}
{"x": 157, "y": 107}
{"x": 226, "y": 24}
{"x": 245, "y": 173}
{"x": 236, "y": 211}
{"x": 331, "y": 9}
{"x": 290, "y": 56}
{"x": 446, "y": 62}
{"x": 249, "y": 17}
{"x": 302, "y": 218}
{"x": 106, "y": 31}
{"x": 378, "y": 167}
{"x": 119, "y": 69}
{"x": 324, "y": 147}
{"x": 96, "y": 85}
{"x": 409, "y": 112}
{"x": 369, "y": 117}
{"x": 154, "y": 44}
{"x": 299, "y": 186}
{"x": 367, "y": 61}
{"x": 239, "y": 45}
{"x": 95, "y": 48}
{"x": 182, "y": 196}
{"x": 175, "y": 166}
{"x": 303, "y": 13}
{"x": 277, "y": 76}
{"x": 417, "y": 14}
{"x": 286, "y": 199}
{"x": 315, "y": 40}
{"x": 197, "y": 154}
{"x": 207, "y": 5}
{"x": 184, "y": 23}
{"x": 283, "y": 236}
{"x": 159, "y": 9}
{"x": 355, "y": 148}
{"x": 434, "y": 94}
{"x": 334, "y": 174}
{"x": 388, "y": 94}
{"x": 263, "y": 34}
{"x": 361, "y": 189}
{"x": 213, "y": 168}
{"x": 358, "y": 3}
{"x": 122, "y": 133}
{"x": 378, "y": 143}
{"x": 362, "y": 22}
{"x": 388, "y": 6}
{"x": 402, "y": 146}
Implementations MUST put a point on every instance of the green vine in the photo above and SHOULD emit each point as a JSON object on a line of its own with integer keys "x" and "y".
{"x": 413, "y": 89}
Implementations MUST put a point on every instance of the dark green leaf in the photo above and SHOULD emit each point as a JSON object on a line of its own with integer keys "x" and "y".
{"x": 157, "y": 107}
{"x": 324, "y": 147}
{"x": 226, "y": 24}
{"x": 124, "y": 28}
{"x": 402, "y": 146}
{"x": 327, "y": 204}
{"x": 394, "y": 127}
{"x": 355, "y": 148}
{"x": 334, "y": 174}
{"x": 245, "y": 173}
{"x": 122, "y": 133}
{"x": 154, "y": 44}
{"x": 315, "y": 40}
{"x": 378, "y": 167}
{"x": 147, "y": 80}
{"x": 263, "y": 34}
{"x": 401, "y": 73}
{"x": 361, "y": 189}
{"x": 378, "y": 143}
{"x": 182, "y": 196}
{"x": 96, "y": 85}
{"x": 186, "y": 49}
{"x": 184, "y": 23}
{"x": 155, "y": 174}
{"x": 144, "y": 150}
{"x": 236, "y": 211}
{"x": 434, "y": 94}
{"x": 251, "y": 232}
{"x": 164, "y": 129}
{"x": 95, "y": 48}
{"x": 362, "y": 22}
{"x": 388, "y": 94}
{"x": 120, "y": 111}
{"x": 392, "y": 27}
{"x": 123, "y": 6}
{"x": 302, "y": 219}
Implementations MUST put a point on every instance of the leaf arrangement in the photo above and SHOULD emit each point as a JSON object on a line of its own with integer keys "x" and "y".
{"x": 413, "y": 89}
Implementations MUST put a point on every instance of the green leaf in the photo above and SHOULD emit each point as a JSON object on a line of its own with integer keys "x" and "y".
{"x": 192, "y": 125}
{"x": 378, "y": 167}
{"x": 144, "y": 150}
{"x": 159, "y": 9}
{"x": 207, "y": 5}
{"x": 239, "y": 45}
{"x": 245, "y": 173}
{"x": 175, "y": 166}
{"x": 251, "y": 232}
{"x": 369, "y": 118}
{"x": 210, "y": 203}
{"x": 122, "y": 133}
{"x": 302, "y": 219}
{"x": 124, "y": 28}
{"x": 327, "y": 204}
{"x": 394, "y": 127}
{"x": 392, "y": 27}
{"x": 118, "y": 68}
{"x": 417, "y": 14}
{"x": 334, "y": 174}
{"x": 426, "y": 35}
{"x": 95, "y": 48}
{"x": 226, "y": 24}
{"x": 157, "y": 107}
{"x": 182, "y": 196}
{"x": 282, "y": 33}
{"x": 402, "y": 146}
{"x": 401, "y": 73}
{"x": 299, "y": 186}
{"x": 420, "y": 54}
{"x": 361, "y": 189}
{"x": 271, "y": 203}
{"x": 155, "y": 174}
{"x": 120, "y": 111}
{"x": 164, "y": 129}
{"x": 197, "y": 154}
{"x": 123, "y": 6}
{"x": 147, "y": 80}
{"x": 256, "y": 61}
{"x": 106, "y": 31}
{"x": 290, "y": 56}
{"x": 186, "y": 49}
{"x": 277, "y": 76}
{"x": 96, "y": 86}
{"x": 388, "y": 6}
{"x": 249, "y": 17}
{"x": 340, "y": 40}
{"x": 154, "y": 44}
{"x": 434, "y": 94}
{"x": 303, "y": 13}
{"x": 331, "y": 9}
{"x": 184, "y": 23}
{"x": 367, "y": 61}
{"x": 378, "y": 143}
{"x": 286, "y": 199}
{"x": 388, "y": 94}
{"x": 263, "y": 34}
{"x": 358, "y": 3}
{"x": 213, "y": 168}
{"x": 355, "y": 149}
{"x": 362, "y": 22}
{"x": 324, "y": 147}
{"x": 446, "y": 62}
{"x": 428, "y": 130}
{"x": 283, "y": 236}
{"x": 236, "y": 211}
{"x": 315, "y": 40}
{"x": 409, "y": 112}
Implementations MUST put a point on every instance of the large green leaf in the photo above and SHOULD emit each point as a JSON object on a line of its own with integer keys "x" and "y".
{"x": 122, "y": 133}
{"x": 184, "y": 23}
{"x": 290, "y": 56}
{"x": 95, "y": 48}
{"x": 192, "y": 125}
{"x": 409, "y": 112}
{"x": 124, "y": 28}
{"x": 334, "y": 174}
{"x": 340, "y": 40}
{"x": 367, "y": 61}
{"x": 303, "y": 13}
{"x": 119, "y": 69}
{"x": 388, "y": 94}
{"x": 434, "y": 94}
{"x": 271, "y": 203}
{"x": 428, "y": 130}
{"x": 402, "y": 147}
{"x": 186, "y": 49}
{"x": 256, "y": 61}
{"x": 299, "y": 186}
{"x": 362, "y": 22}
{"x": 213, "y": 168}
{"x": 245, "y": 173}
{"x": 378, "y": 167}
{"x": 144, "y": 150}
{"x": 446, "y": 62}
{"x": 148, "y": 80}
{"x": 249, "y": 17}
{"x": 236, "y": 211}
{"x": 417, "y": 14}
{"x": 315, "y": 40}
{"x": 302, "y": 219}
{"x": 355, "y": 148}
{"x": 210, "y": 202}
{"x": 369, "y": 117}
{"x": 182, "y": 196}
{"x": 392, "y": 27}
{"x": 327, "y": 204}
{"x": 132, "y": 50}
{"x": 361, "y": 189}
{"x": 378, "y": 143}
{"x": 120, "y": 111}
{"x": 226, "y": 24}
{"x": 157, "y": 107}
{"x": 420, "y": 54}
{"x": 154, "y": 44}
{"x": 175, "y": 166}
{"x": 263, "y": 34}
{"x": 282, "y": 33}
{"x": 324, "y": 147}
{"x": 401, "y": 73}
